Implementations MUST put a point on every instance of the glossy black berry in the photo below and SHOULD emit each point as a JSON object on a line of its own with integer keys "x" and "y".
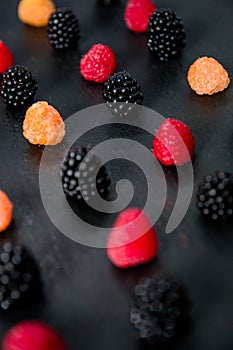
{"x": 215, "y": 196}
{"x": 78, "y": 178}
{"x": 122, "y": 87}
{"x": 155, "y": 309}
{"x": 165, "y": 34}
{"x": 18, "y": 87}
{"x": 17, "y": 274}
{"x": 63, "y": 29}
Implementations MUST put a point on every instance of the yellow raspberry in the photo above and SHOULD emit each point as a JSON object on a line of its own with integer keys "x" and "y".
{"x": 207, "y": 76}
{"x": 6, "y": 208}
{"x": 43, "y": 125}
{"x": 35, "y": 13}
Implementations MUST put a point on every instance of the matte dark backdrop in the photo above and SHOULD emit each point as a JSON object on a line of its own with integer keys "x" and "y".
{"x": 85, "y": 297}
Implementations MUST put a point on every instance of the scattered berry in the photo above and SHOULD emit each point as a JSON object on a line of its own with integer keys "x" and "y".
{"x": 155, "y": 309}
{"x": 63, "y": 29}
{"x": 132, "y": 240}
{"x": 98, "y": 64}
{"x": 174, "y": 143}
{"x": 35, "y": 12}
{"x": 122, "y": 87}
{"x": 18, "y": 273}
{"x": 78, "y": 178}
{"x": 6, "y": 57}
{"x": 6, "y": 209}
{"x": 32, "y": 335}
{"x": 108, "y": 2}
{"x": 207, "y": 76}
{"x": 43, "y": 125}
{"x": 166, "y": 36}
{"x": 215, "y": 196}
{"x": 18, "y": 87}
{"x": 137, "y": 14}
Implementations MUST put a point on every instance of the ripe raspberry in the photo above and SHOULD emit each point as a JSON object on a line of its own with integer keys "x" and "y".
{"x": 132, "y": 240}
{"x": 137, "y": 14}
{"x": 98, "y": 64}
{"x": 215, "y": 196}
{"x": 174, "y": 143}
{"x": 32, "y": 335}
{"x": 156, "y": 308}
{"x": 35, "y": 12}
{"x": 6, "y": 209}
{"x": 6, "y": 57}
{"x": 43, "y": 125}
{"x": 207, "y": 76}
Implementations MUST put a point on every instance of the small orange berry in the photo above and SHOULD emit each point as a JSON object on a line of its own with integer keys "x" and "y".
{"x": 35, "y": 13}
{"x": 6, "y": 208}
{"x": 43, "y": 125}
{"x": 207, "y": 76}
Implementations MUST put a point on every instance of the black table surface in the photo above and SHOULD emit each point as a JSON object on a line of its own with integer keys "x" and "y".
{"x": 86, "y": 298}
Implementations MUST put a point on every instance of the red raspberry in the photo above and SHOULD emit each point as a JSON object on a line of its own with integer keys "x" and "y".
{"x": 137, "y": 14}
{"x": 6, "y": 58}
{"x": 131, "y": 242}
{"x": 174, "y": 143}
{"x": 98, "y": 64}
{"x": 31, "y": 335}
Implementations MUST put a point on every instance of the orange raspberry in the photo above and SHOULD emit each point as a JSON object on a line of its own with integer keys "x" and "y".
{"x": 43, "y": 125}
{"x": 6, "y": 208}
{"x": 35, "y": 13}
{"x": 207, "y": 76}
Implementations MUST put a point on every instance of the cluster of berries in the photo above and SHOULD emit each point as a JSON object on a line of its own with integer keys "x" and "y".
{"x": 155, "y": 310}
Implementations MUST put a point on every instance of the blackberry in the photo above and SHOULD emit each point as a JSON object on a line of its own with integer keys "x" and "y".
{"x": 122, "y": 87}
{"x": 17, "y": 274}
{"x": 107, "y": 2}
{"x": 78, "y": 180}
{"x": 155, "y": 309}
{"x": 119, "y": 90}
{"x": 63, "y": 29}
{"x": 18, "y": 87}
{"x": 165, "y": 34}
{"x": 215, "y": 196}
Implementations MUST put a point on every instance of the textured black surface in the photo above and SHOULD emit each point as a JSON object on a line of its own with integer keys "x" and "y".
{"x": 85, "y": 297}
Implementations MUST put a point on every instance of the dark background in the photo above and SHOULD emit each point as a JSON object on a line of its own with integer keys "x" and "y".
{"x": 85, "y": 298}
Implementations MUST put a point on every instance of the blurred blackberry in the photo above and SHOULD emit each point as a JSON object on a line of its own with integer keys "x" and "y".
{"x": 18, "y": 274}
{"x": 78, "y": 180}
{"x": 121, "y": 89}
{"x": 155, "y": 309}
{"x": 107, "y": 2}
{"x": 215, "y": 196}
{"x": 18, "y": 87}
{"x": 165, "y": 34}
{"x": 63, "y": 29}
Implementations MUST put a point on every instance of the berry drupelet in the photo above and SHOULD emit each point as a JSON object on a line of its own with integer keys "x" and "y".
{"x": 215, "y": 196}
{"x": 17, "y": 274}
{"x": 63, "y": 29}
{"x": 166, "y": 36}
{"x": 78, "y": 178}
{"x": 18, "y": 87}
{"x": 155, "y": 309}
